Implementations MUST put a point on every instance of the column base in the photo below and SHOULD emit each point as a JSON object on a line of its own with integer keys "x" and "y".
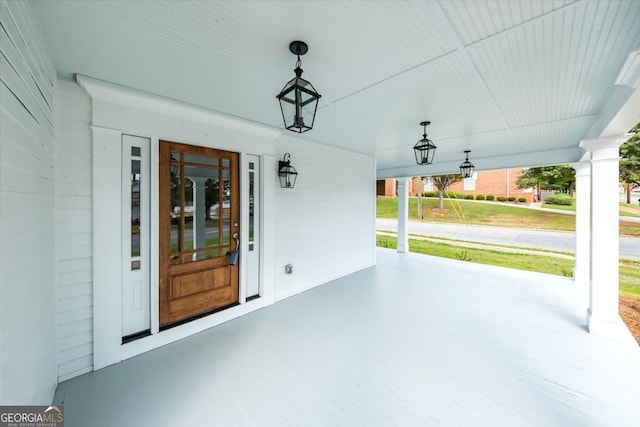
{"x": 402, "y": 249}
{"x": 581, "y": 277}
{"x": 614, "y": 329}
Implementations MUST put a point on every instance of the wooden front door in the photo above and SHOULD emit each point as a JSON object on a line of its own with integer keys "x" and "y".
{"x": 199, "y": 225}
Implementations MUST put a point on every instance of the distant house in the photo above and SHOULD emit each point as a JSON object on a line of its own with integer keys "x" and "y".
{"x": 501, "y": 182}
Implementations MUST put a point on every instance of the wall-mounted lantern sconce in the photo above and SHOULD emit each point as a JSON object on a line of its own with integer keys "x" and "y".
{"x": 286, "y": 172}
{"x": 424, "y": 149}
{"x": 298, "y": 98}
{"x": 466, "y": 168}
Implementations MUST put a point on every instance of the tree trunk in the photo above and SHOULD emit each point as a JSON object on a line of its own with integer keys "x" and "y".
{"x": 420, "y": 214}
{"x": 628, "y": 193}
{"x": 441, "y": 201}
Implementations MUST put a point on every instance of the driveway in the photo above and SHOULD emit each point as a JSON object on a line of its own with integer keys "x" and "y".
{"x": 551, "y": 240}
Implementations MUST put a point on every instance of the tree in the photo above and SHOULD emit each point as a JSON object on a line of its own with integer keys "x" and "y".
{"x": 442, "y": 182}
{"x": 630, "y": 162}
{"x": 558, "y": 178}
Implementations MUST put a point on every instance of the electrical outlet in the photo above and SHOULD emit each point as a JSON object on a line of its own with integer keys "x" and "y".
{"x": 288, "y": 268}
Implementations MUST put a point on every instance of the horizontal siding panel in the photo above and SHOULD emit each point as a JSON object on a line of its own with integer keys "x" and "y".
{"x": 30, "y": 230}
{"x": 76, "y": 328}
{"x": 74, "y": 302}
{"x": 37, "y": 170}
{"x": 13, "y": 75}
{"x": 15, "y": 205}
{"x": 26, "y": 36}
{"x": 73, "y": 189}
{"x": 327, "y": 221}
{"x": 73, "y": 252}
{"x": 76, "y": 114}
{"x": 74, "y": 353}
{"x": 26, "y": 177}
{"x": 69, "y": 149}
{"x": 70, "y": 227}
{"x": 74, "y": 340}
{"x": 16, "y": 127}
{"x": 74, "y": 277}
{"x": 74, "y": 164}
{"x": 78, "y": 265}
{"x": 30, "y": 139}
{"x": 75, "y": 239}
{"x": 27, "y": 196}
{"x": 83, "y": 313}
{"x": 74, "y": 270}
{"x": 73, "y": 176}
{"x": 75, "y": 367}
{"x": 31, "y": 32}
{"x": 74, "y": 202}
{"x": 74, "y": 215}
{"x": 73, "y": 290}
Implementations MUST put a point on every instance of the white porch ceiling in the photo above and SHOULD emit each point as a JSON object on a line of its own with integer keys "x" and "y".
{"x": 517, "y": 83}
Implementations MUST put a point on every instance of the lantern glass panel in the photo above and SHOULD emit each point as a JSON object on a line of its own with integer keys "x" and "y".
{"x": 424, "y": 151}
{"x": 298, "y": 103}
{"x": 466, "y": 170}
{"x": 288, "y": 176}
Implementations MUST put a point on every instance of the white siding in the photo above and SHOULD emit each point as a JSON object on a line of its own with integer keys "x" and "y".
{"x": 324, "y": 226}
{"x": 27, "y": 217}
{"x": 74, "y": 288}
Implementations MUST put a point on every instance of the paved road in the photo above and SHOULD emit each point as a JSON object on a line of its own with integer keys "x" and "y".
{"x": 552, "y": 240}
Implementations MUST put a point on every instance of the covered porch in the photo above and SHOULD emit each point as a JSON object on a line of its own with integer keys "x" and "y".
{"x": 415, "y": 340}
{"x": 93, "y": 91}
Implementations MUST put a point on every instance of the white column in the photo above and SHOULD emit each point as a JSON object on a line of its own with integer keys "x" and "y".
{"x": 107, "y": 261}
{"x": 403, "y": 215}
{"x": 583, "y": 221}
{"x": 602, "y": 315}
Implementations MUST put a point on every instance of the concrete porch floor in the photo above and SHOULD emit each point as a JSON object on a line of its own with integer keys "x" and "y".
{"x": 416, "y": 340}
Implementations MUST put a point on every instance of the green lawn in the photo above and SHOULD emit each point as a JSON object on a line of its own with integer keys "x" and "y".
{"x": 502, "y": 215}
{"x": 490, "y": 214}
{"x": 573, "y": 209}
{"x": 629, "y": 270}
{"x": 630, "y": 279}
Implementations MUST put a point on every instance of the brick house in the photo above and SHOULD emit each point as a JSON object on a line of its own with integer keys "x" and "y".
{"x": 500, "y": 182}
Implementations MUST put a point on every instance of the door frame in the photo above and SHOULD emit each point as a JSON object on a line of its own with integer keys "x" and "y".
{"x": 116, "y": 111}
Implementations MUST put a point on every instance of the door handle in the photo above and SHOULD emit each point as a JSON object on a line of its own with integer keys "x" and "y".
{"x": 233, "y": 258}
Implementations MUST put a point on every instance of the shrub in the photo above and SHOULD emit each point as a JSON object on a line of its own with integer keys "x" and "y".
{"x": 511, "y": 199}
{"x": 430, "y": 194}
{"x": 469, "y": 197}
{"x": 490, "y": 197}
{"x": 451, "y": 195}
{"x": 559, "y": 199}
{"x": 480, "y": 197}
{"x": 522, "y": 199}
{"x": 501, "y": 199}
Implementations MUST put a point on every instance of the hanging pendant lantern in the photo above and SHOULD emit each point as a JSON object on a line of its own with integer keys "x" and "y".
{"x": 287, "y": 173}
{"x": 424, "y": 149}
{"x": 298, "y": 98}
{"x": 466, "y": 168}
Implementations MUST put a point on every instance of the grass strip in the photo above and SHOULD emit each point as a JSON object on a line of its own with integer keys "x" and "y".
{"x": 629, "y": 270}
{"x": 490, "y": 214}
{"x": 625, "y": 210}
